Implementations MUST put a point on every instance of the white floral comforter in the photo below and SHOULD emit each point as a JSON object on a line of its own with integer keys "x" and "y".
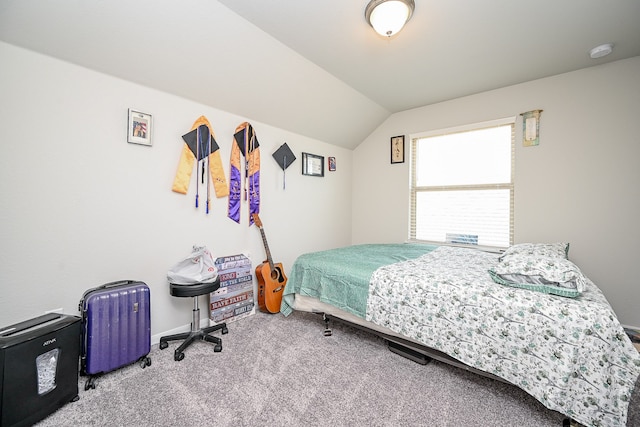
{"x": 570, "y": 354}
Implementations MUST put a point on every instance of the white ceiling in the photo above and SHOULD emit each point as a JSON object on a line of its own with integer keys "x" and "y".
{"x": 316, "y": 67}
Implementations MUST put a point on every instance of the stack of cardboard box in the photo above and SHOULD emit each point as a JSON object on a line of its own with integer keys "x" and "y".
{"x": 234, "y": 299}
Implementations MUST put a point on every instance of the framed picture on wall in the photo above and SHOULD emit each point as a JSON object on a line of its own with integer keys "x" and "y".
{"x": 397, "y": 149}
{"x": 139, "y": 129}
{"x": 312, "y": 165}
{"x": 332, "y": 164}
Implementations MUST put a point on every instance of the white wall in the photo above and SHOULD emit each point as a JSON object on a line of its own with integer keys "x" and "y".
{"x": 579, "y": 185}
{"x": 82, "y": 207}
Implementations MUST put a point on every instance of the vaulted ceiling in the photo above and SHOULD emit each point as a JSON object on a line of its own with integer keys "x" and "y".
{"x": 316, "y": 67}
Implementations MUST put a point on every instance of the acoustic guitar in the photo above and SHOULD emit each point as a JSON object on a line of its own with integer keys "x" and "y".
{"x": 271, "y": 278}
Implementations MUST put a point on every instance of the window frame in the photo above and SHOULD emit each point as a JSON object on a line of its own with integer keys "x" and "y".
{"x": 414, "y": 189}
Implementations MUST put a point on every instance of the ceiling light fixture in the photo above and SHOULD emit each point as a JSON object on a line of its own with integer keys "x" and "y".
{"x": 388, "y": 17}
{"x": 600, "y": 51}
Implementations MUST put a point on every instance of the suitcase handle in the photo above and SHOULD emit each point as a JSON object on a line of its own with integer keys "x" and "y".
{"x": 105, "y": 286}
{"x": 116, "y": 283}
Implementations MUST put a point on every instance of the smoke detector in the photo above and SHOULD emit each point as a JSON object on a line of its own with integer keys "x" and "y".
{"x": 600, "y": 51}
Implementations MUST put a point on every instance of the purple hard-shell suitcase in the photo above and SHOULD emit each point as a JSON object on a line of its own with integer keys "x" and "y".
{"x": 116, "y": 328}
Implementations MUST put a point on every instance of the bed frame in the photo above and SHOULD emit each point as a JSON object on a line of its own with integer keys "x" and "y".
{"x": 418, "y": 353}
{"x": 412, "y": 350}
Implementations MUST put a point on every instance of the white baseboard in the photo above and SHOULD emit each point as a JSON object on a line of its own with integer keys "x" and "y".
{"x": 204, "y": 322}
{"x": 155, "y": 339}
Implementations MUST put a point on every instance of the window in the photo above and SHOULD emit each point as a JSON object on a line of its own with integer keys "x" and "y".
{"x": 462, "y": 185}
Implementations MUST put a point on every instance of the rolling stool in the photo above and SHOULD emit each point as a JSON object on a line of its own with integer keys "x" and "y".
{"x": 194, "y": 291}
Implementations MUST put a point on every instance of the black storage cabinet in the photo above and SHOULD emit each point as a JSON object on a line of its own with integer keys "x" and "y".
{"x": 39, "y": 367}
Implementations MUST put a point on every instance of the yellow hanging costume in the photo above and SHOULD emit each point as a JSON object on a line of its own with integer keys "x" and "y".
{"x": 200, "y": 146}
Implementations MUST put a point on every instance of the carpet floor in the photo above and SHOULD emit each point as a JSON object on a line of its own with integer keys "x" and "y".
{"x": 280, "y": 371}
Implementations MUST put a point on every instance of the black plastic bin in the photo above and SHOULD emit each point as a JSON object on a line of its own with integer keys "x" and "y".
{"x": 39, "y": 368}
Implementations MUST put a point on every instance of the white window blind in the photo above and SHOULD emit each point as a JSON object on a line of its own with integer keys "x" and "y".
{"x": 462, "y": 185}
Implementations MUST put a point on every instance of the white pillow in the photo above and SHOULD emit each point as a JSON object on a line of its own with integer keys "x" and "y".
{"x": 554, "y": 250}
{"x": 548, "y": 274}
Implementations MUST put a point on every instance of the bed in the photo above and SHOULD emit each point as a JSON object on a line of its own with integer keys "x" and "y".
{"x": 522, "y": 316}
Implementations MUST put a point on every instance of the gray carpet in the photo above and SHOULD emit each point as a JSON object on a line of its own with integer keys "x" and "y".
{"x": 283, "y": 372}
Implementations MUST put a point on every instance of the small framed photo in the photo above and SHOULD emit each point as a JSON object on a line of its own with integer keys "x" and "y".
{"x": 332, "y": 164}
{"x": 139, "y": 130}
{"x": 397, "y": 149}
{"x": 312, "y": 165}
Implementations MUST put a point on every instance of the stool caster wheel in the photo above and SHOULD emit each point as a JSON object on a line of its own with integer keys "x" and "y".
{"x": 225, "y": 331}
{"x": 163, "y": 345}
{"x": 178, "y": 356}
{"x": 217, "y": 348}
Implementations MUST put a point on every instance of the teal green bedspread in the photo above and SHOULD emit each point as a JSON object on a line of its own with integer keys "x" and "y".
{"x": 341, "y": 276}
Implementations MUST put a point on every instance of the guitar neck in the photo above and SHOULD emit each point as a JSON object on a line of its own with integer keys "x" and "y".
{"x": 266, "y": 248}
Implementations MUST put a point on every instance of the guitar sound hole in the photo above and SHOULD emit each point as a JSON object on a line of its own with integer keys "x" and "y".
{"x": 277, "y": 275}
